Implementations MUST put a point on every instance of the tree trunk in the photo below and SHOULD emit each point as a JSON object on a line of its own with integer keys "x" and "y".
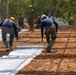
{"x": 32, "y": 2}
{"x": 2, "y": 10}
{"x": 50, "y": 9}
{"x": 56, "y": 9}
{"x": 7, "y": 8}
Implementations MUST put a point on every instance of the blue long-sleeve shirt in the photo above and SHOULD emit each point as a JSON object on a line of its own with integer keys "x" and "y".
{"x": 47, "y": 23}
{"x": 8, "y": 22}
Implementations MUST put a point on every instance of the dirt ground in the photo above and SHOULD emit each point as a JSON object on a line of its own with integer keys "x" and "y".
{"x": 62, "y": 59}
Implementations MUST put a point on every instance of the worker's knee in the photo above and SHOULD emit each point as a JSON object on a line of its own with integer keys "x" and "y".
{"x": 53, "y": 38}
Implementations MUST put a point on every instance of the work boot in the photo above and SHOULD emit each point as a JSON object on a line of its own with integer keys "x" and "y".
{"x": 7, "y": 49}
{"x": 11, "y": 48}
{"x": 48, "y": 49}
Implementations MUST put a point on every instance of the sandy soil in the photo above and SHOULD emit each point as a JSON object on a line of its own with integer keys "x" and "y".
{"x": 62, "y": 59}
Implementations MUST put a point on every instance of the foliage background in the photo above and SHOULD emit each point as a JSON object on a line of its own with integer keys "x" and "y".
{"x": 66, "y": 8}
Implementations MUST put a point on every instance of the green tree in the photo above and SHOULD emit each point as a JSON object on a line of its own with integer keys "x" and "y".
{"x": 66, "y": 9}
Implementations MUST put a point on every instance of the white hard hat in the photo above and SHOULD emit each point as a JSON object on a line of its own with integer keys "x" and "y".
{"x": 43, "y": 17}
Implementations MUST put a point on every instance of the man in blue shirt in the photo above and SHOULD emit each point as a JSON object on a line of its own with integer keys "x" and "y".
{"x": 51, "y": 28}
{"x": 8, "y": 26}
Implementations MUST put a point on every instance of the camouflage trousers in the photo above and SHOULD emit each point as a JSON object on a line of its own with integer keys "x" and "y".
{"x": 50, "y": 31}
{"x": 31, "y": 24}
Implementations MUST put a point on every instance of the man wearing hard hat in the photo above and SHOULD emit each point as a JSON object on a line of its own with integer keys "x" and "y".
{"x": 9, "y": 26}
{"x": 51, "y": 28}
{"x": 38, "y": 22}
{"x": 31, "y": 18}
